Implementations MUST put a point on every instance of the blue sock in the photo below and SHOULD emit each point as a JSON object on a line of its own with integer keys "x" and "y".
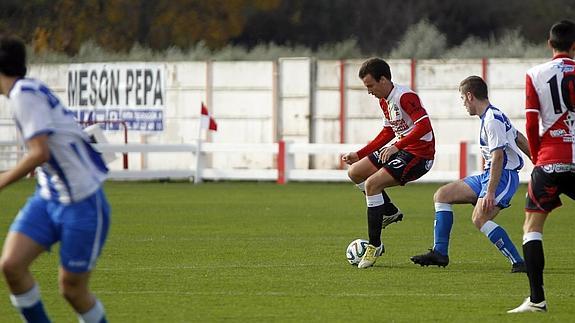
{"x": 35, "y": 313}
{"x": 501, "y": 240}
{"x": 442, "y": 227}
{"x": 30, "y": 305}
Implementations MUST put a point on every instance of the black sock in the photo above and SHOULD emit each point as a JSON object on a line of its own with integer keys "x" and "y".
{"x": 535, "y": 262}
{"x": 386, "y": 198}
{"x": 389, "y": 207}
{"x": 374, "y": 219}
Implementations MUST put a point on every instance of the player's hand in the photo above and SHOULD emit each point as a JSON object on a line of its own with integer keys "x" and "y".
{"x": 386, "y": 152}
{"x": 488, "y": 202}
{"x": 350, "y": 158}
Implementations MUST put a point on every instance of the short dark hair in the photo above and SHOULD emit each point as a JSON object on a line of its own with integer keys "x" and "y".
{"x": 376, "y": 67}
{"x": 476, "y": 85}
{"x": 12, "y": 56}
{"x": 562, "y": 35}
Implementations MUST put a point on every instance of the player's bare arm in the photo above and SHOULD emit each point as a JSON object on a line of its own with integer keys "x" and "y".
{"x": 523, "y": 144}
{"x": 38, "y": 153}
{"x": 494, "y": 177}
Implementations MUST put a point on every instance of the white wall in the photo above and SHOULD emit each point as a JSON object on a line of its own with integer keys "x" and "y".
{"x": 298, "y": 99}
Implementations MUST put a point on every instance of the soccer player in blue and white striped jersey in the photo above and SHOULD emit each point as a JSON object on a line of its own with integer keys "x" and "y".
{"x": 491, "y": 191}
{"x": 69, "y": 205}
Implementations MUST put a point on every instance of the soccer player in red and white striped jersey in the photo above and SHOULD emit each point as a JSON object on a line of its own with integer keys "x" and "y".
{"x": 409, "y": 158}
{"x": 550, "y": 111}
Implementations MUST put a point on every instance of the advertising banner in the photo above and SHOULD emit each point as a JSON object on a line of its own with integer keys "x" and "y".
{"x": 114, "y": 93}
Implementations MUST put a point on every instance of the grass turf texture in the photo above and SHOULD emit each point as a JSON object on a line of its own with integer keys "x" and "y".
{"x": 265, "y": 252}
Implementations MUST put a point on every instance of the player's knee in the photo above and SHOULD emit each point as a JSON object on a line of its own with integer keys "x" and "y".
{"x": 350, "y": 173}
{"x": 371, "y": 186}
{"x": 440, "y": 196}
{"x": 11, "y": 269}
{"x": 354, "y": 175}
{"x": 72, "y": 289}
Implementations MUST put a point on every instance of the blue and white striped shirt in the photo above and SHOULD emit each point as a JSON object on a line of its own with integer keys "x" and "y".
{"x": 75, "y": 170}
{"x": 497, "y": 132}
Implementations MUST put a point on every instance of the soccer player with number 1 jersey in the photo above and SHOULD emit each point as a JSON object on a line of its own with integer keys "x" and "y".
{"x": 550, "y": 112}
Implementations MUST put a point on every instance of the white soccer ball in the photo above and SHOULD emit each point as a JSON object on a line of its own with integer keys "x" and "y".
{"x": 355, "y": 251}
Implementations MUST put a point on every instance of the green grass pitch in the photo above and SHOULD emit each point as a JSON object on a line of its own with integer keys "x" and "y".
{"x": 261, "y": 252}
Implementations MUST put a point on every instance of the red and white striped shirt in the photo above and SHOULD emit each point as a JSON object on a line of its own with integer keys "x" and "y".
{"x": 406, "y": 119}
{"x": 550, "y": 111}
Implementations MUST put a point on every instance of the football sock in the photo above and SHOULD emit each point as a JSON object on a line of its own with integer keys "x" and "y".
{"x": 501, "y": 240}
{"x": 386, "y": 198}
{"x": 30, "y": 305}
{"x": 361, "y": 186}
{"x": 535, "y": 262}
{"x": 389, "y": 207}
{"x": 442, "y": 227}
{"x": 375, "y": 208}
{"x": 95, "y": 315}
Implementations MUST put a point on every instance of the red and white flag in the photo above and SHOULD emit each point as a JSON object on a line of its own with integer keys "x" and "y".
{"x": 206, "y": 120}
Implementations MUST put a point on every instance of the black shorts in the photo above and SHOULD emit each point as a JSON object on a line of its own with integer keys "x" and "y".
{"x": 403, "y": 166}
{"x": 546, "y": 184}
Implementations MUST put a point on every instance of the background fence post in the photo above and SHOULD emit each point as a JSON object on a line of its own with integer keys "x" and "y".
{"x": 199, "y": 162}
{"x": 463, "y": 158}
{"x": 281, "y": 162}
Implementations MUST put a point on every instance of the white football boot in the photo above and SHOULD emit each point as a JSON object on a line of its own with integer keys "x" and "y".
{"x": 528, "y": 306}
{"x": 370, "y": 256}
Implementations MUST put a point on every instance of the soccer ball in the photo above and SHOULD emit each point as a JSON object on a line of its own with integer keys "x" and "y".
{"x": 355, "y": 251}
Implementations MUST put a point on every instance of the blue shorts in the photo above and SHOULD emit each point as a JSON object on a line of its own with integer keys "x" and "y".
{"x": 508, "y": 184}
{"x": 81, "y": 228}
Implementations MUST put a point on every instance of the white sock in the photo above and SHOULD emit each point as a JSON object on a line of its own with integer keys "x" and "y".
{"x": 374, "y": 200}
{"x": 443, "y": 207}
{"x": 94, "y": 315}
{"x": 26, "y": 299}
{"x": 488, "y": 227}
{"x": 530, "y": 236}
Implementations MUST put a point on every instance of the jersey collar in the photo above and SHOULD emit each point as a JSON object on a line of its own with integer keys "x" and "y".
{"x": 484, "y": 112}
{"x": 562, "y": 55}
{"x": 391, "y": 93}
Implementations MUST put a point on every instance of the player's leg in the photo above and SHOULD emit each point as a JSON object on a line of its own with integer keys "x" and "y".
{"x": 359, "y": 172}
{"x": 542, "y": 197}
{"x": 457, "y": 192}
{"x": 401, "y": 168}
{"x": 375, "y": 213}
{"x": 29, "y": 236}
{"x": 84, "y": 230}
{"x": 18, "y": 254}
{"x": 484, "y": 219}
{"x": 74, "y": 288}
{"x": 533, "y": 251}
{"x": 534, "y": 261}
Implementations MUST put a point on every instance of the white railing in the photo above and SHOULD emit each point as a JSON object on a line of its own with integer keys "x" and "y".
{"x": 285, "y": 154}
{"x": 10, "y": 153}
{"x": 284, "y": 171}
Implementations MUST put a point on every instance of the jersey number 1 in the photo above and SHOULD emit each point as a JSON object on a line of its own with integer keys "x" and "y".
{"x": 567, "y": 92}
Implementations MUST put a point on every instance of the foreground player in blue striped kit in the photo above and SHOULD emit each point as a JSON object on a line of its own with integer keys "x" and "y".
{"x": 501, "y": 145}
{"x": 69, "y": 205}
